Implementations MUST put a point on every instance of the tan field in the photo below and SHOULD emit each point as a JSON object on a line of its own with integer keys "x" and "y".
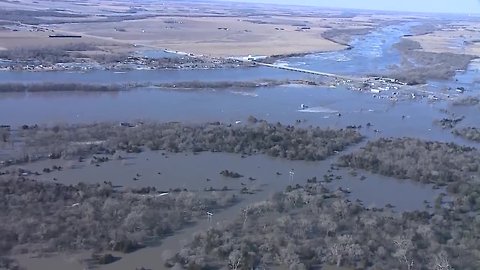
{"x": 26, "y": 39}
{"x": 93, "y": 6}
{"x": 219, "y": 30}
{"x": 460, "y": 39}
{"x": 211, "y": 36}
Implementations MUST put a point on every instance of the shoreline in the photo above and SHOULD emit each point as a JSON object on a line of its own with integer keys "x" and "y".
{"x": 419, "y": 66}
{"x": 347, "y": 46}
{"x": 129, "y": 155}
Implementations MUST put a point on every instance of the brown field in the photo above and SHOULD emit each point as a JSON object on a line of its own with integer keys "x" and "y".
{"x": 456, "y": 38}
{"x": 203, "y": 36}
{"x": 203, "y": 29}
{"x": 26, "y": 39}
{"x": 93, "y": 6}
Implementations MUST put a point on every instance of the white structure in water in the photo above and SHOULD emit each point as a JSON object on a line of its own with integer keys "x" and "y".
{"x": 209, "y": 216}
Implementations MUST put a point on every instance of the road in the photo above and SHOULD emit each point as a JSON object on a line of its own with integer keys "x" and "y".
{"x": 312, "y": 72}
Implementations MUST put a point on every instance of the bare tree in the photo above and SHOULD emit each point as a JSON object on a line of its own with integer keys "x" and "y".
{"x": 245, "y": 213}
{"x": 235, "y": 259}
{"x": 4, "y": 135}
{"x": 326, "y": 222}
{"x": 441, "y": 262}
{"x": 340, "y": 208}
{"x": 344, "y": 246}
{"x": 404, "y": 247}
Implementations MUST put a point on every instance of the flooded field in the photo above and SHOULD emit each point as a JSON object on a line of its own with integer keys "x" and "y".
{"x": 192, "y": 171}
{"x": 468, "y": 79}
{"x": 261, "y": 174}
{"x": 375, "y": 116}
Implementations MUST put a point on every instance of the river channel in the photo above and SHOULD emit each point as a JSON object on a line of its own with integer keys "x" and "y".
{"x": 327, "y": 107}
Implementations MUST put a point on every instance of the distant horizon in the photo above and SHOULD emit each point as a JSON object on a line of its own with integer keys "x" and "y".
{"x": 414, "y": 6}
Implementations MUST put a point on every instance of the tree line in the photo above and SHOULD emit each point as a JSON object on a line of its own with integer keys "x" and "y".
{"x": 311, "y": 227}
{"x": 469, "y": 133}
{"x": 45, "y": 217}
{"x": 418, "y": 66}
{"x": 75, "y": 53}
{"x": 410, "y": 158}
{"x": 51, "y": 55}
{"x": 185, "y": 85}
{"x": 225, "y": 84}
{"x": 53, "y": 87}
{"x": 256, "y": 137}
{"x": 467, "y": 101}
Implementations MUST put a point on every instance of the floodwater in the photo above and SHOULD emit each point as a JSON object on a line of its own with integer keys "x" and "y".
{"x": 276, "y": 104}
{"x": 468, "y": 79}
{"x": 327, "y": 107}
{"x": 371, "y": 53}
{"x": 191, "y": 171}
{"x": 148, "y": 76}
{"x": 470, "y": 112}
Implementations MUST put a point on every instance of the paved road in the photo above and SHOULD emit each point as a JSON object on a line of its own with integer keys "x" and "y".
{"x": 313, "y": 72}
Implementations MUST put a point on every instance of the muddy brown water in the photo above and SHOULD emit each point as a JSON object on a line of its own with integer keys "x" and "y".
{"x": 276, "y": 104}
{"x": 273, "y": 104}
{"x": 191, "y": 171}
{"x": 328, "y": 107}
{"x": 147, "y": 76}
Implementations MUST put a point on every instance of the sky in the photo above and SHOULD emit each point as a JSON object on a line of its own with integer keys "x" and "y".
{"x": 444, "y": 6}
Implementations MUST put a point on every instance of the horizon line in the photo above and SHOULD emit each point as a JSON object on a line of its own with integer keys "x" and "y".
{"x": 473, "y": 14}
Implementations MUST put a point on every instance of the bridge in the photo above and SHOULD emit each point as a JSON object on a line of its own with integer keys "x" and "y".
{"x": 312, "y": 72}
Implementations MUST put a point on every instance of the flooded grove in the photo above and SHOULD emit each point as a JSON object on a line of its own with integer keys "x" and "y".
{"x": 262, "y": 175}
{"x": 327, "y": 107}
